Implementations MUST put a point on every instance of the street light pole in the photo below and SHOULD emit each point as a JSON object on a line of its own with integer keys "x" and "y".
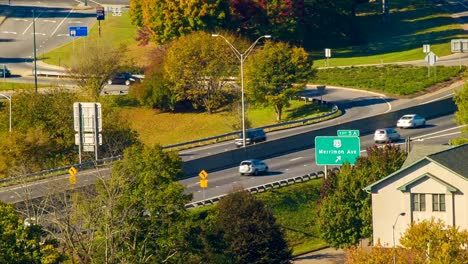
{"x": 242, "y": 57}
{"x": 9, "y": 99}
{"x": 393, "y": 234}
{"x": 34, "y": 37}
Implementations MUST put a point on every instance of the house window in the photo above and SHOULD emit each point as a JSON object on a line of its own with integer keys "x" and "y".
{"x": 418, "y": 201}
{"x": 438, "y": 202}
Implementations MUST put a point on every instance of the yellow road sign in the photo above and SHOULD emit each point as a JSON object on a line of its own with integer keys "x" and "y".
{"x": 72, "y": 179}
{"x": 204, "y": 183}
{"x": 72, "y": 171}
{"x": 203, "y": 174}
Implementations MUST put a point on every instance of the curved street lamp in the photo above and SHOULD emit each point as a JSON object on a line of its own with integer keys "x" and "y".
{"x": 242, "y": 57}
{"x": 393, "y": 234}
{"x": 9, "y": 99}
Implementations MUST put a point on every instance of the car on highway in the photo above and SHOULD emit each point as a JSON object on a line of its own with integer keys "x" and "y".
{"x": 4, "y": 72}
{"x": 386, "y": 135}
{"x": 122, "y": 78}
{"x": 411, "y": 120}
{"x": 252, "y": 136}
{"x": 253, "y": 167}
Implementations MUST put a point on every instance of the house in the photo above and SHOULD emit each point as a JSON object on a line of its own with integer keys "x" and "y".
{"x": 434, "y": 185}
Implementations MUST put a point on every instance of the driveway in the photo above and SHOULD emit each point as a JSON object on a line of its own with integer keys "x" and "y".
{"x": 323, "y": 256}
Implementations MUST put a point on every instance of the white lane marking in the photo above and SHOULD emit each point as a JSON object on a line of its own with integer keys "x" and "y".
{"x": 63, "y": 35}
{"x": 20, "y": 19}
{"x": 443, "y": 135}
{"x": 9, "y": 32}
{"x": 298, "y": 158}
{"x": 74, "y": 22}
{"x": 437, "y": 99}
{"x": 42, "y": 34}
{"x": 51, "y": 21}
{"x": 438, "y": 132}
{"x": 63, "y": 20}
{"x": 389, "y": 105}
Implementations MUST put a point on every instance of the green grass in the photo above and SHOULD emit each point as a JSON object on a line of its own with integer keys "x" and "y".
{"x": 115, "y": 32}
{"x": 295, "y": 210}
{"x": 390, "y": 79}
{"x": 7, "y": 86}
{"x": 170, "y": 128}
{"x": 400, "y": 39}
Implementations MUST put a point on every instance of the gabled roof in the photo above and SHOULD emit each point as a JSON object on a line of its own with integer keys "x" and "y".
{"x": 405, "y": 187}
{"x": 454, "y": 159}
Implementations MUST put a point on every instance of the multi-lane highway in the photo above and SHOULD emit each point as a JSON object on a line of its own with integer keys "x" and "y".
{"x": 437, "y": 131}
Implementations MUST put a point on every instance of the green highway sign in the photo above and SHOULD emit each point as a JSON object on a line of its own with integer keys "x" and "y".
{"x": 348, "y": 133}
{"x": 336, "y": 150}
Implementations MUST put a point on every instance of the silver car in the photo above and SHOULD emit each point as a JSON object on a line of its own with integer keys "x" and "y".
{"x": 253, "y": 167}
{"x": 412, "y": 120}
{"x": 386, "y": 135}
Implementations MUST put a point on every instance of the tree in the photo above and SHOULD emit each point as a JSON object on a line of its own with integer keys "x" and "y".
{"x": 145, "y": 218}
{"x": 20, "y": 243}
{"x": 345, "y": 213}
{"x": 249, "y": 230}
{"x": 93, "y": 67}
{"x": 43, "y": 135}
{"x": 275, "y": 74}
{"x": 428, "y": 241}
{"x": 168, "y": 20}
{"x": 196, "y": 66}
{"x": 461, "y": 115}
{"x": 440, "y": 243}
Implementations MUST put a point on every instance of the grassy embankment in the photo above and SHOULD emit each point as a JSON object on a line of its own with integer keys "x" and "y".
{"x": 401, "y": 40}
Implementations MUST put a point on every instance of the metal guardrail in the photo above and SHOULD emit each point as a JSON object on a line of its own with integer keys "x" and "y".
{"x": 226, "y": 136}
{"x": 268, "y": 128}
{"x": 263, "y": 187}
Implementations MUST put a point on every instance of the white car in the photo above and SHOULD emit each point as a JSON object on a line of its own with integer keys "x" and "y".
{"x": 412, "y": 120}
{"x": 253, "y": 167}
{"x": 386, "y": 135}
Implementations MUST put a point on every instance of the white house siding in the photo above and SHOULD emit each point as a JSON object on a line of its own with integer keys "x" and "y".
{"x": 388, "y": 202}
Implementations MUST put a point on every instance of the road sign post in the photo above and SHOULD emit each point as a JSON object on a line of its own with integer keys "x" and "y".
{"x": 336, "y": 150}
{"x": 72, "y": 171}
{"x": 203, "y": 181}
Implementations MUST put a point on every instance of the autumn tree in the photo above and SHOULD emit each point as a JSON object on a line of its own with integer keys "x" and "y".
{"x": 461, "y": 115}
{"x": 196, "y": 67}
{"x": 428, "y": 241}
{"x": 92, "y": 67}
{"x": 275, "y": 74}
{"x": 24, "y": 243}
{"x": 44, "y": 137}
{"x": 249, "y": 230}
{"x": 345, "y": 213}
{"x": 167, "y": 20}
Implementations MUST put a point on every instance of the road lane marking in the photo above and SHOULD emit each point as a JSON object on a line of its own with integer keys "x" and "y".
{"x": 51, "y": 21}
{"x": 298, "y": 158}
{"x": 9, "y": 32}
{"x": 389, "y": 105}
{"x": 74, "y": 22}
{"x": 60, "y": 24}
{"x": 438, "y": 132}
{"x": 443, "y": 135}
{"x": 20, "y": 19}
{"x": 437, "y": 99}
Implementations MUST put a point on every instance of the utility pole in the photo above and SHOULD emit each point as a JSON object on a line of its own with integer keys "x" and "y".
{"x": 34, "y": 37}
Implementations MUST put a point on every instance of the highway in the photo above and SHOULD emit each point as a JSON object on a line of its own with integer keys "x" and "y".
{"x": 437, "y": 131}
